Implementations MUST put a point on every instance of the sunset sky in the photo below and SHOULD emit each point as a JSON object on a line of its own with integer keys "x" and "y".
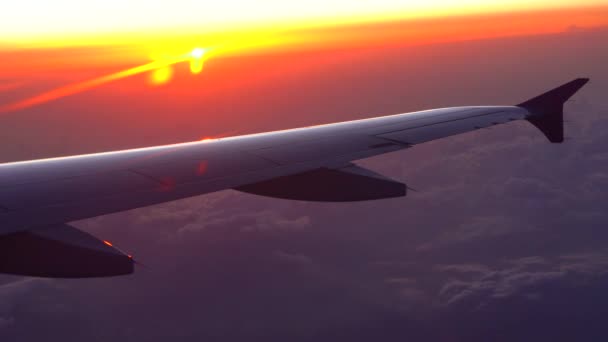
{"x": 52, "y": 50}
{"x": 36, "y": 20}
{"x": 154, "y": 24}
{"x": 505, "y": 238}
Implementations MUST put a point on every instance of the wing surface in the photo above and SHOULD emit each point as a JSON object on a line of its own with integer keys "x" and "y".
{"x": 38, "y": 197}
{"x": 54, "y": 191}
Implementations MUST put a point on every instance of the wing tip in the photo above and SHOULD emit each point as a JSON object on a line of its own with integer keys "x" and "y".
{"x": 546, "y": 111}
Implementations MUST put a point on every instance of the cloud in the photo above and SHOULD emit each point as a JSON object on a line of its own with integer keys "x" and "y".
{"x": 581, "y": 29}
{"x": 477, "y": 230}
{"x": 14, "y": 292}
{"x": 267, "y": 220}
{"x": 23, "y": 292}
{"x": 293, "y": 258}
{"x": 524, "y": 278}
{"x": 463, "y": 268}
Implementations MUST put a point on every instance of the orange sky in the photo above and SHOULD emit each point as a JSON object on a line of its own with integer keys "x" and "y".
{"x": 143, "y": 47}
{"x": 52, "y": 72}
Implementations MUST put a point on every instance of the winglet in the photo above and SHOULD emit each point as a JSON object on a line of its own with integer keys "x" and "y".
{"x": 546, "y": 110}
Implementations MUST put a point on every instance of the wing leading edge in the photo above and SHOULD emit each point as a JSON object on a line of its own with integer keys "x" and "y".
{"x": 38, "y": 197}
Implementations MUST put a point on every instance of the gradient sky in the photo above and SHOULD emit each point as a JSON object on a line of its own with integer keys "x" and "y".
{"x": 70, "y": 50}
{"x": 504, "y": 240}
{"x": 33, "y": 19}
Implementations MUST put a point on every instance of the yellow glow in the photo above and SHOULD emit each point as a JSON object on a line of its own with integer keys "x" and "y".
{"x": 71, "y": 89}
{"x": 161, "y": 75}
{"x": 290, "y": 25}
{"x": 196, "y": 66}
{"x": 67, "y": 21}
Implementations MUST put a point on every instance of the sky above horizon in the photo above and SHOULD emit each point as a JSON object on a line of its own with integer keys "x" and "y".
{"x": 502, "y": 241}
{"x": 57, "y": 50}
{"x": 34, "y": 21}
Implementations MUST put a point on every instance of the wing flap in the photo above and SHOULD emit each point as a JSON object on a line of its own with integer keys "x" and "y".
{"x": 348, "y": 184}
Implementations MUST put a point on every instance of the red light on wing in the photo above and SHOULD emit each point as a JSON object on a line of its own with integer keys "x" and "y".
{"x": 201, "y": 169}
{"x": 167, "y": 184}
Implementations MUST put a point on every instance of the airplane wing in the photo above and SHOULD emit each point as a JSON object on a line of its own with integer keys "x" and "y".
{"x": 313, "y": 164}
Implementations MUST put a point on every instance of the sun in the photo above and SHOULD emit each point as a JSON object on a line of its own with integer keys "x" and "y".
{"x": 197, "y": 52}
{"x": 196, "y": 60}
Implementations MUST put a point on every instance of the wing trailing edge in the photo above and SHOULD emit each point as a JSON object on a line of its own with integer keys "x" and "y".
{"x": 348, "y": 184}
